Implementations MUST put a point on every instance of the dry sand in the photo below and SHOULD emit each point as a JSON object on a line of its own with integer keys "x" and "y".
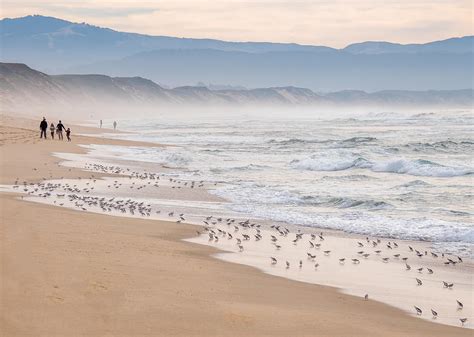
{"x": 70, "y": 273}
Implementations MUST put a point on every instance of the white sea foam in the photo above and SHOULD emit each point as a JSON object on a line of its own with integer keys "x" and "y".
{"x": 337, "y": 161}
{"x": 420, "y": 167}
{"x": 351, "y": 174}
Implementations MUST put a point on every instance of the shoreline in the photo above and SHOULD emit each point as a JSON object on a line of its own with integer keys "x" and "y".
{"x": 288, "y": 309}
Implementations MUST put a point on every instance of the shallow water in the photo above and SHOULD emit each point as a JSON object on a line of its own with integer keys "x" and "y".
{"x": 398, "y": 175}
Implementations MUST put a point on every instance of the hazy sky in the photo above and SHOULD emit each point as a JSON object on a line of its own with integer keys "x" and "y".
{"x": 334, "y": 23}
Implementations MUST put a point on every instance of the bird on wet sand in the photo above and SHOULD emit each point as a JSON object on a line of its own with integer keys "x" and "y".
{"x": 434, "y": 313}
{"x": 418, "y": 311}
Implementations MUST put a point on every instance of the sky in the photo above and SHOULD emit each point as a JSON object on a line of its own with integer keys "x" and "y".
{"x": 334, "y": 23}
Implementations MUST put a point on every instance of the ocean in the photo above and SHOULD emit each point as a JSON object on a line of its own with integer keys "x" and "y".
{"x": 403, "y": 175}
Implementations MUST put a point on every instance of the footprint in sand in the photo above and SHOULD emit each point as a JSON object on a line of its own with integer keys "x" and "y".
{"x": 97, "y": 286}
{"x": 56, "y": 298}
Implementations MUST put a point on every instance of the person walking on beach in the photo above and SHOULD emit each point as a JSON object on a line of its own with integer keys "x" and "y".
{"x": 115, "y": 125}
{"x": 59, "y": 130}
{"x": 52, "y": 129}
{"x": 43, "y": 128}
{"x": 100, "y": 123}
{"x": 68, "y": 134}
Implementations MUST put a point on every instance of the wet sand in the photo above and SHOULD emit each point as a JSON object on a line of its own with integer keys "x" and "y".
{"x": 73, "y": 273}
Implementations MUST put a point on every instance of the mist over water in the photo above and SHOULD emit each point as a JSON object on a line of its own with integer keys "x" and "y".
{"x": 401, "y": 175}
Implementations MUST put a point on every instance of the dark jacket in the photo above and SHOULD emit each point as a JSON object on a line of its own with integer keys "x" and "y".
{"x": 44, "y": 125}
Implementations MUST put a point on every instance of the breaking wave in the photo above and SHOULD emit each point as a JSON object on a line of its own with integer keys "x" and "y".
{"x": 418, "y": 167}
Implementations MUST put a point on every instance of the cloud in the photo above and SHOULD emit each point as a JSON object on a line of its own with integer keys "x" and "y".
{"x": 86, "y": 12}
{"x": 324, "y": 22}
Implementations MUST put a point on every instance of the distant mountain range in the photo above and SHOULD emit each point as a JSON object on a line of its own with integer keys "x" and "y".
{"x": 58, "y": 46}
{"x": 28, "y": 90}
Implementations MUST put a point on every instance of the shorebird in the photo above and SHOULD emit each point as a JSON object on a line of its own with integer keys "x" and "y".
{"x": 341, "y": 261}
{"x": 460, "y": 305}
{"x": 435, "y": 314}
{"x": 274, "y": 260}
{"x": 448, "y": 285}
{"x": 316, "y": 266}
{"x": 407, "y": 266}
{"x": 355, "y": 261}
{"x": 385, "y": 259}
{"x": 463, "y": 320}
{"x": 418, "y": 311}
{"x": 301, "y": 264}
{"x": 287, "y": 265}
{"x": 311, "y": 256}
{"x": 430, "y": 271}
{"x": 419, "y": 281}
{"x": 326, "y": 252}
{"x": 420, "y": 269}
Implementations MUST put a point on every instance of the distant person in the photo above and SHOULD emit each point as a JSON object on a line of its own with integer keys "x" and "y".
{"x": 52, "y": 129}
{"x": 59, "y": 130}
{"x": 115, "y": 125}
{"x": 43, "y": 128}
{"x": 68, "y": 134}
{"x": 100, "y": 123}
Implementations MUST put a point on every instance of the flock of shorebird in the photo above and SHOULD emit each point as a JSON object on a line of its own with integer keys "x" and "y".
{"x": 240, "y": 231}
{"x": 80, "y": 198}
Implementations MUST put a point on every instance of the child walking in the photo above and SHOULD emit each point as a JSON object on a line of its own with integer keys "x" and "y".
{"x": 68, "y": 134}
{"x": 52, "y": 129}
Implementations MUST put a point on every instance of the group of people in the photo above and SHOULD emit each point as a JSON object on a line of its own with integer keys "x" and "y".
{"x": 58, "y": 130}
{"x": 115, "y": 124}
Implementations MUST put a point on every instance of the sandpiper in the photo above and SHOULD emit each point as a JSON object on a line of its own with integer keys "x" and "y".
{"x": 418, "y": 310}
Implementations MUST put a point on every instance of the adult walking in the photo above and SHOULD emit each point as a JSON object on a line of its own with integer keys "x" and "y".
{"x": 59, "y": 130}
{"x": 52, "y": 129}
{"x": 115, "y": 125}
{"x": 43, "y": 128}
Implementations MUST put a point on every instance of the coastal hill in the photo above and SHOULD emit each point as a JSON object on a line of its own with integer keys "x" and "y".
{"x": 23, "y": 88}
{"x": 57, "y": 46}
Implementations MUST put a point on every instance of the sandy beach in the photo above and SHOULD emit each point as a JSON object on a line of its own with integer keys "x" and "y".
{"x": 67, "y": 272}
